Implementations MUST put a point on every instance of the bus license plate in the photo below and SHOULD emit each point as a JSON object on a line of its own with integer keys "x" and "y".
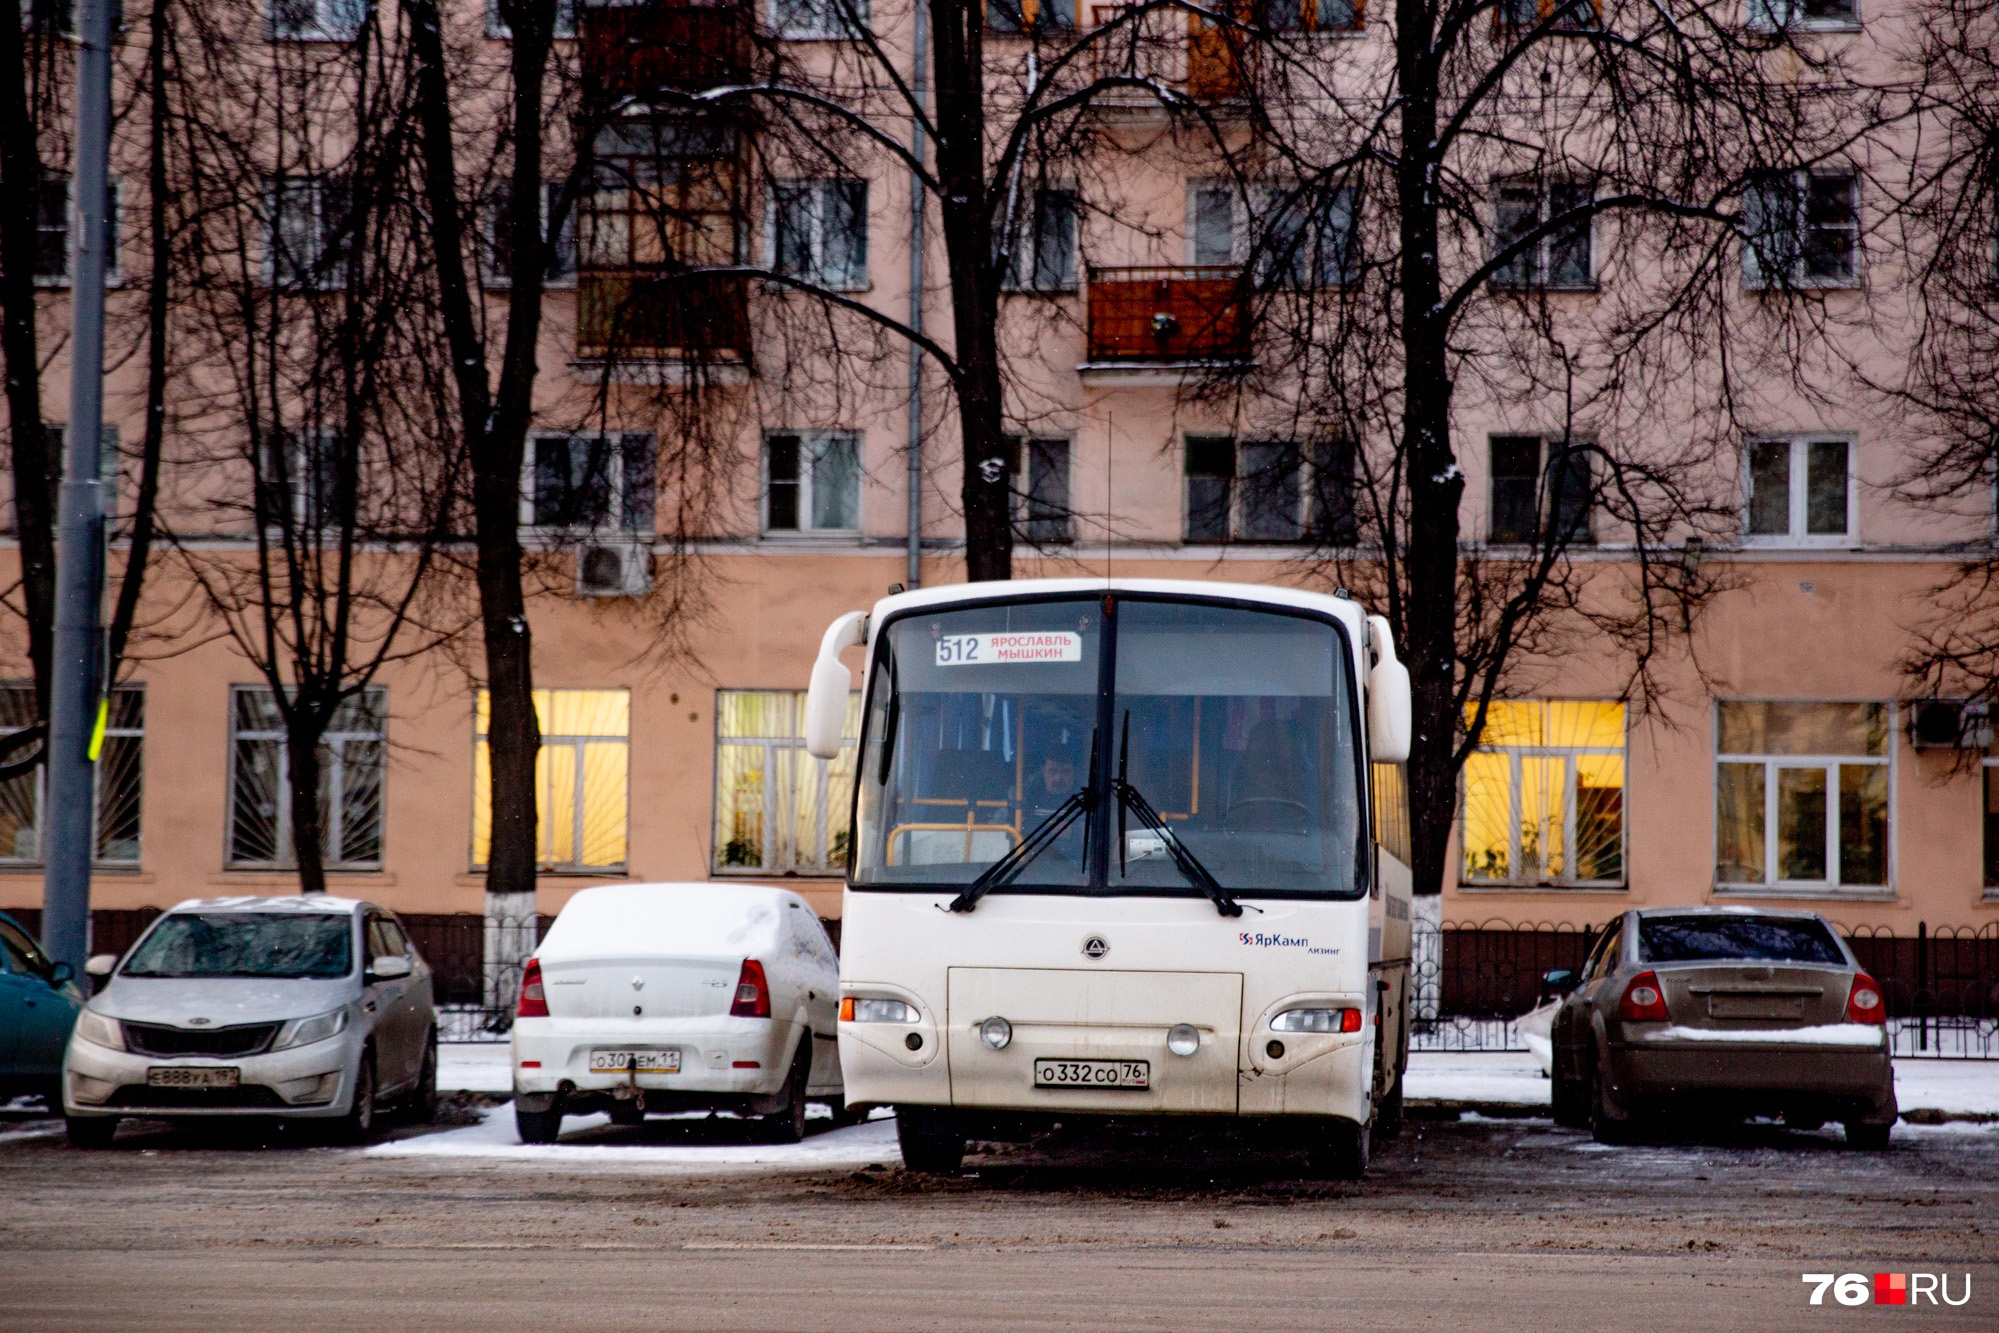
{"x": 196, "y": 1076}
{"x": 649, "y": 1062}
{"x": 1093, "y": 1074}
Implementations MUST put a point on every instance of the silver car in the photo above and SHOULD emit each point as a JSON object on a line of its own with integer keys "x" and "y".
{"x": 307, "y": 1008}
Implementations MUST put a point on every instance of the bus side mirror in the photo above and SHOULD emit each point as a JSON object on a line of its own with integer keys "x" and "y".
{"x": 826, "y": 699}
{"x": 1388, "y": 706}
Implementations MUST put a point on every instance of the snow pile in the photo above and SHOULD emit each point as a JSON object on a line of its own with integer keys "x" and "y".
{"x": 494, "y": 1137}
{"x": 475, "y": 1066}
{"x": 1824, "y": 1034}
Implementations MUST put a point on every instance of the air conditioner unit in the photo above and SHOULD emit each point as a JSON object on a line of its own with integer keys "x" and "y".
{"x": 1950, "y": 724}
{"x": 613, "y": 569}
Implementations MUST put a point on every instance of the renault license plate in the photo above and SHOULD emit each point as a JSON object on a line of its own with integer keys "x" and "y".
{"x": 645, "y": 1062}
{"x": 1093, "y": 1074}
{"x": 192, "y": 1076}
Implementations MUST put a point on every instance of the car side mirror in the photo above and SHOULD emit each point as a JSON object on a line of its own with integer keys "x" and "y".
{"x": 100, "y": 965}
{"x": 60, "y": 973}
{"x": 1561, "y": 980}
{"x": 389, "y": 966}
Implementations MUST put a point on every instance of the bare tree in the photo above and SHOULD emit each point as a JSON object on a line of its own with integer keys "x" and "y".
{"x": 1538, "y": 214}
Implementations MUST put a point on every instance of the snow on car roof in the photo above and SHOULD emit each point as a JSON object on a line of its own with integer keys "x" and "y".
{"x": 730, "y": 920}
{"x": 317, "y": 902}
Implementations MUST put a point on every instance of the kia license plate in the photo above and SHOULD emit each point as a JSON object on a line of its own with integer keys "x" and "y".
{"x": 648, "y": 1062}
{"x": 1093, "y": 1074}
{"x": 192, "y": 1076}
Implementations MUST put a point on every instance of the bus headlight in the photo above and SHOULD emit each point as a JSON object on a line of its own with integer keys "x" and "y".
{"x": 1183, "y": 1039}
{"x": 1317, "y": 1020}
{"x": 996, "y": 1032}
{"x": 857, "y": 1010}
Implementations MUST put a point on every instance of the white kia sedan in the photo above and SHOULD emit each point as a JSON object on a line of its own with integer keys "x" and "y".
{"x": 674, "y": 997}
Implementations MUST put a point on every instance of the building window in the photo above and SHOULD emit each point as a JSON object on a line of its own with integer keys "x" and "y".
{"x": 1560, "y": 258}
{"x": 589, "y": 483}
{"x": 1801, "y": 229}
{"x": 1771, "y": 15}
{"x": 581, "y": 777}
{"x": 118, "y": 775}
{"x": 350, "y": 782}
{"x": 1268, "y": 490}
{"x": 299, "y": 472}
{"x": 309, "y": 234}
{"x": 1991, "y": 828}
{"x": 1312, "y": 15}
{"x": 812, "y": 482}
{"x": 317, "y": 20}
{"x": 1799, "y": 492}
{"x": 55, "y": 241}
{"x": 1538, "y": 481}
{"x": 1312, "y": 239}
{"x": 1801, "y": 795}
{"x": 778, "y": 810}
{"x": 1027, "y": 15}
{"x": 1211, "y": 225}
{"x": 1569, "y": 15}
{"x": 1544, "y": 795}
{"x": 496, "y": 260}
{"x": 565, "y": 22}
{"x": 1044, "y": 254}
{"x": 1040, "y": 470}
{"x": 818, "y": 20}
{"x": 820, "y": 232}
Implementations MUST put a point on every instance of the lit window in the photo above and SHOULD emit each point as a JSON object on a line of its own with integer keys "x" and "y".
{"x": 1801, "y": 229}
{"x": 819, "y": 232}
{"x": 1544, "y": 795}
{"x": 350, "y": 782}
{"x": 1801, "y": 795}
{"x": 1799, "y": 493}
{"x": 117, "y": 774}
{"x": 581, "y": 778}
{"x": 778, "y": 810}
{"x": 812, "y": 482}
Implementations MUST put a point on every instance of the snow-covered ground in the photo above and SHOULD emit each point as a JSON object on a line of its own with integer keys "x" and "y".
{"x": 1953, "y": 1087}
{"x": 474, "y": 1066}
{"x": 588, "y": 1139}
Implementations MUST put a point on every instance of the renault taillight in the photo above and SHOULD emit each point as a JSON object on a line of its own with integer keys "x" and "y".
{"x": 752, "y": 992}
{"x": 534, "y": 1002}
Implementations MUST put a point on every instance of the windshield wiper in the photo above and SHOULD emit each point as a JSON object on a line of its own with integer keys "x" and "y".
{"x": 1190, "y": 865}
{"x": 1083, "y": 801}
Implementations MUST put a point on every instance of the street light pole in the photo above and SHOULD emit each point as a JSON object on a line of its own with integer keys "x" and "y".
{"x": 68, "y": 815}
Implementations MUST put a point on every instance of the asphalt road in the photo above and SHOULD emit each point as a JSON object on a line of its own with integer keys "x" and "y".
{"x": 1469, "y": 1225}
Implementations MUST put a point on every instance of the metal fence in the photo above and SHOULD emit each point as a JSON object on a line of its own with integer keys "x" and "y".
{"x": 1474, "y": 980}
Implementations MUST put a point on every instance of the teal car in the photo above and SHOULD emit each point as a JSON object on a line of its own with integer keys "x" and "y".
{"x": 38, "y": 1006}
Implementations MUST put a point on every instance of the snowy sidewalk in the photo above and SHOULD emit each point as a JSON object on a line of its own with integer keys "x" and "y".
{"x": 474, "y": 1066}
{"x": 1943, "y": 1087}
{"x": 703, "y": 1143}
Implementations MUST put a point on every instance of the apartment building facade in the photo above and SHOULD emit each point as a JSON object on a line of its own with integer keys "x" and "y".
{"x": 1785, "y": 755}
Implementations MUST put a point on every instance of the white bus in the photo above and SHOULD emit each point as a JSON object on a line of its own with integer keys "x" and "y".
{"x": 1119, "y": 851}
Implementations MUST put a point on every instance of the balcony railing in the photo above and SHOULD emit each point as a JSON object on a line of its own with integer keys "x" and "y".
{"x": 1182, "y": 51}
{"x": 643, "y": 313}
{"x": 1168, "y": 313}
{"x": 638, "y": 50}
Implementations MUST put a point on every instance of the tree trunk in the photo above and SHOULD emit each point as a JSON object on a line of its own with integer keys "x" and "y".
{"x": 986, "y": 489}
{"x": 36, "y": 469}
{"x": 1435, "y": 484}
{"x": 302, "y": 776}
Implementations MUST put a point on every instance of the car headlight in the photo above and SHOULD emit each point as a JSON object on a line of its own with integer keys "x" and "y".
{"x": 98, "y": 1030}
{"x": 306, "y": 1031}
{"x": 1317, "y": 1020}
{"x": 877, "y": 1011}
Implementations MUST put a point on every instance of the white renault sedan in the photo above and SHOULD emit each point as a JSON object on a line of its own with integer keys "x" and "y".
{"x": 674, "y": 997}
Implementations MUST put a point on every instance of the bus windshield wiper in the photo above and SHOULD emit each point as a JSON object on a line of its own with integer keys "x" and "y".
{"x": 1129, "y": 798}
{"x": 1082, "y": 801}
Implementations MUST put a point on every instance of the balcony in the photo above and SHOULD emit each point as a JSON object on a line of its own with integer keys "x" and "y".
{"x": 635, "y": 51}
{"x": 625, "y": 315}
{"x": 1168, "y": 315}
{"x": 1171, "y": 47}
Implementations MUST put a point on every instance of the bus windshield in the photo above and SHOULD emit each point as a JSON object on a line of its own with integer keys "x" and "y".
{"x": 1219, "y": 742}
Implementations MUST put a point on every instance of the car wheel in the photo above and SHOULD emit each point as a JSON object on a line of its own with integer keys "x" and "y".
{"x": 90, "y": 1131}
{"x": 1341, "y": 1151}
{"x": 1866, "y": 1137}
{"x": 358, "y": 1125}
{"x": 788, "y": 1125}
{"x": 1604, "y": 1126}
{"x": 538, "y": 1126}
{"x": 931, "y": 1139}
{"x": 423, "y": 1097}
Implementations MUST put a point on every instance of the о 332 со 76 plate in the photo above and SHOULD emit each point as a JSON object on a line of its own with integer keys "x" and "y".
{"x": 1093, "y": 1074}
{"x": 649, "y": 1062}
